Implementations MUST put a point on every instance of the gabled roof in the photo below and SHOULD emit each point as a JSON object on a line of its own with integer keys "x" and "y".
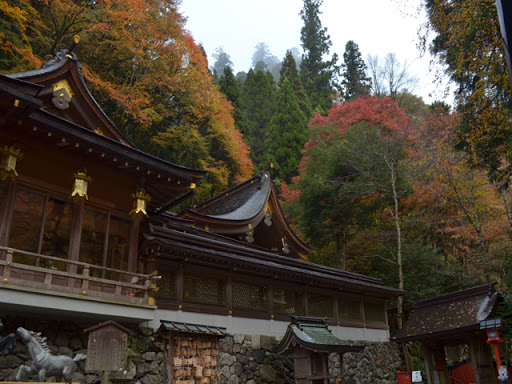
{"x": 35, "y": 115}
{"x": 312, "y": 333}
{"x": 449, "y": 316}
{"x": 252, "y": 211}
{"x": 66, "y": 95}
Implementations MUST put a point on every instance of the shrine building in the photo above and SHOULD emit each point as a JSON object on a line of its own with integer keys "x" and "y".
{"x": 86, "y": 233}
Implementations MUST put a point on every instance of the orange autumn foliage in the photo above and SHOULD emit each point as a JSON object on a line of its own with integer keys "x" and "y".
{"x": 147, "y": 73}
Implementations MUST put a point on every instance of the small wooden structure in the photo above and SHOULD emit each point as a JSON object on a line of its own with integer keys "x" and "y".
{"x": 191, "y": 352}
{"x": 107, "y": 346}
{"x": 443, "y": 324}
{"x": 310, "y": 342}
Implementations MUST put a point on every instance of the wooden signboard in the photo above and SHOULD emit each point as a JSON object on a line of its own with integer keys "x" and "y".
{"x": 107, "y": 346}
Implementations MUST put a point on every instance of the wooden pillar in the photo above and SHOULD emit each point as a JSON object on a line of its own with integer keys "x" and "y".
{"x": 180, "y": 282}
{"x": 229, "y": 293}
{"x": 270, "y": 299}
{"x": 7, "y": 211}
{"x": 430, "y": 368}
{"x": 76, "y": 234}
{"x": 481, "y": 357}
{"x": 342, "y": 373}
{"x": 440, "y": 364}
{"x": 133, "y": 248}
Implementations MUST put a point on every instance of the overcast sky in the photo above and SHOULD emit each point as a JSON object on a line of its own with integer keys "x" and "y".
{"x": 376, "y": 26}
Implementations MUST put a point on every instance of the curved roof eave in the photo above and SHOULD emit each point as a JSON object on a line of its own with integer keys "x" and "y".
{"x": 251, "y": 209}
{"x": 60, "y": 60}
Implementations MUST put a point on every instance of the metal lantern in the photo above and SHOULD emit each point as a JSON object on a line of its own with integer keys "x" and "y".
{"x": 80, "y": 186}
{"x": 9, "y": 157}
{"x": 140, "y": 201}
{"x": 491, "y": 326}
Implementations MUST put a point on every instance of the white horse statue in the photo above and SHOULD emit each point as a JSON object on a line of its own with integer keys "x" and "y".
{"x": 43, "y": 361}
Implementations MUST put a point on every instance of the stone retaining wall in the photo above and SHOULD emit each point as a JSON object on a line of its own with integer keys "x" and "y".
{"x": 243, "y": 358}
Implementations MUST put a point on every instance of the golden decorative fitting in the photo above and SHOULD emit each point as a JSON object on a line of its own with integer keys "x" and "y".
{"x": 5, "y": 280}
{"x": 80, "y": 186}
{"x": 140, "y": 201}
{"x": 9, "y": 157}
{"x": 180, "y": 306}
{"x": 62, "y": 94}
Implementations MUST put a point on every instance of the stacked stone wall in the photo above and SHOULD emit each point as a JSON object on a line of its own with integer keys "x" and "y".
{"x": 243, "y": 358}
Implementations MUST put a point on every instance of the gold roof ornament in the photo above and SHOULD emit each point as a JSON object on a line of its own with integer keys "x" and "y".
{"x": 140, "y": 200}
{"x": 80, "y": 186}
{"x": 9, "y": 158}
{"x": 62, "y": 94}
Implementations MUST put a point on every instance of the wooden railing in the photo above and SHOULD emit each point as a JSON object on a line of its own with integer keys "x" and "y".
{"x": 75, "y": 277}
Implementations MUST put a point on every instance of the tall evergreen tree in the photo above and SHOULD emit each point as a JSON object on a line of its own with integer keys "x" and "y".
{"x": 286, "y": 134}
{"x": 318, "y": 76}
{"x": 222, "y": 60}
{"x": 232, "y": 89}
{"x": 355, "y": 83}
{"x": 259, "y": 97}
{"x": 289, "y": 72}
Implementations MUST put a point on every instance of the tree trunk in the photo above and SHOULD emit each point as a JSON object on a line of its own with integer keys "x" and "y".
{"x": 341, "y": 245}
{"x": 396, "y": 217}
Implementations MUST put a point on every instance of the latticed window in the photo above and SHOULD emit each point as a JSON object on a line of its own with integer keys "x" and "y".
{"x": 249, "y": 296}
{"x": 374, "y": 312}
{"x": 287, "y": 302}
{"x": 167, "y": 286}
{"x": 204, "y": 290}
{"x": 320, "y": 305}
{"x": 349, "y": 309}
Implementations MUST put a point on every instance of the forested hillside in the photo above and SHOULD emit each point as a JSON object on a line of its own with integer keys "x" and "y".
{"x": 378, "y": 181}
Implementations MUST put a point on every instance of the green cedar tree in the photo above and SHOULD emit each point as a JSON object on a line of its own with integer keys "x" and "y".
{"x": 318, "y": 76}
{"x": 289, "y": 71}
{"x": 259, "y": 101}
{"x": 286, "y": 134}
{"x": 355, "y": 83}
{"x": 232, "y": 89}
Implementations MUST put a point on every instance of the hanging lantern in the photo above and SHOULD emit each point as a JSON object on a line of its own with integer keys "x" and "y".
{"x": 80, "y": 186}
{"x": 140, "y": 201}
{"x": 9, "y": 156}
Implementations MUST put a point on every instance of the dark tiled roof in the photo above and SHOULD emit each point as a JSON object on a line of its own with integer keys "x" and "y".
{"x": 312, "y": 333}
{"x": 450, "y": 314}
{"x": 242, "y": 202}
{"x": 222, "y": 251}
{"x": 174, "y": 326}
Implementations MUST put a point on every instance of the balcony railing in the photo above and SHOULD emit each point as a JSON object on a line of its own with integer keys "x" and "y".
{"x": 37, "y": 271}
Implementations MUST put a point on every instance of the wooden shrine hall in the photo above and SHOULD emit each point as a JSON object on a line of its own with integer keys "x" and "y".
{"x": 86, "y": 232}
{"x": 448, "y": 324}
